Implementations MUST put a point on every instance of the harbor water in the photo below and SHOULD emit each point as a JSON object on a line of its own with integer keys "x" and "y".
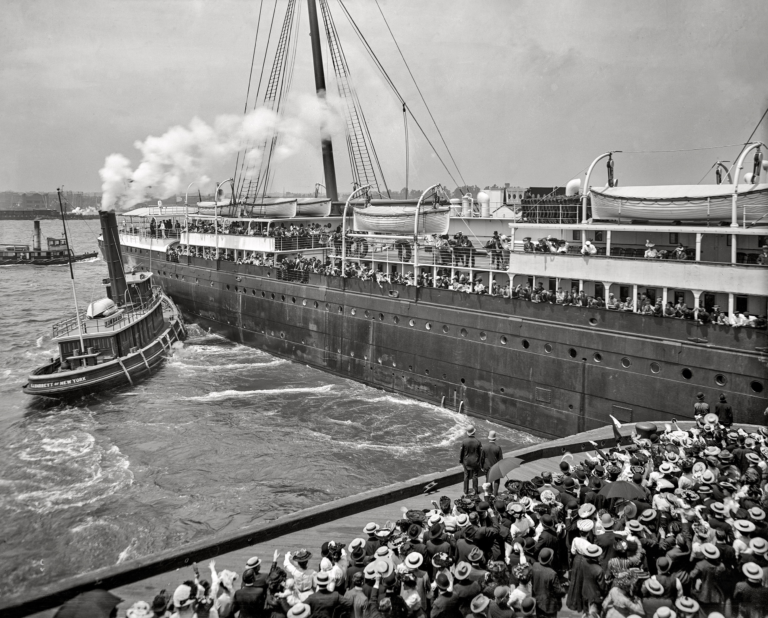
{"x": 221, "y": 436}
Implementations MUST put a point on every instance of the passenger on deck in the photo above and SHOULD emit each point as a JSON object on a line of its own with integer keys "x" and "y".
{"x": 588, "y": 249}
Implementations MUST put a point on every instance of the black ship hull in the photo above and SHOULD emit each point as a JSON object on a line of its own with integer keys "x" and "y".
{"x": 547, "y": 369}
{"x": 47, "y": 261}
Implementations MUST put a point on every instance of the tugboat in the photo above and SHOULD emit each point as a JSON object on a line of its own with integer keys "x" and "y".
{"x": 56, "y": 252}
{"x": 118, "y": 340}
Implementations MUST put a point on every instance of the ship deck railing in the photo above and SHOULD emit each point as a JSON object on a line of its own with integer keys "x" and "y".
{"x": 105, "y": 326}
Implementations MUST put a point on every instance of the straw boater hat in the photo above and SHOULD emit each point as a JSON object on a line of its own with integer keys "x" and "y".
{"x": 744, "y": 526}
{"x": 718, "y": 508}
{"x": 710, "y": 551}
{"x": 253, "y": 563}
{"x": 585, "y": 525}
{"x": 687, "y": 605}
{"x": 586, "y": 510}
{"x": 756, "y": 513}
{"x": 369, "y": 571}
{"x": 475, "y": 555}
{"x": 634, "y": 525}
{"x": 413, "y": 560}
{"x": 593, "y": 551}
{"x": 322, "y": 579}
{"x": 753, "y": 572}
{"x": 300, "y": 610}
{"x": 665, "y": 612}
{"x": 371, "y": 528}
{"x": 759, "y": 546}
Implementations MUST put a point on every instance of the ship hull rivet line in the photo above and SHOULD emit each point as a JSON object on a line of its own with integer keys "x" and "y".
{"x": 127, "y": 375}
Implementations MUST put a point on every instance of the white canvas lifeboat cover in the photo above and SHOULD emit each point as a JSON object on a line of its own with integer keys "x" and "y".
{"x": 101, "y": 308}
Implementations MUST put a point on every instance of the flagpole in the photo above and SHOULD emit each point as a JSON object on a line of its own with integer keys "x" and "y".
{"x": 71, "y": 273}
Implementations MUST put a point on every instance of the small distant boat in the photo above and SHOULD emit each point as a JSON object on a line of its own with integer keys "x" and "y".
{"x": 399, "y": 219}
{"x": 680, "y": 203}
{"x": 118, "y": 340}
{"x": 57, "y": 251}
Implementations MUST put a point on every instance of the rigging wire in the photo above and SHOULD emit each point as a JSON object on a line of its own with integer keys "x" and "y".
{"x": 429, "y": 111}
{"x": 407, "y": 155}
{"x": 388, "y": 79}
{"x": 250, "y": 75}
{"x": 751, "y": 135}
{"x": 243, "y": 175}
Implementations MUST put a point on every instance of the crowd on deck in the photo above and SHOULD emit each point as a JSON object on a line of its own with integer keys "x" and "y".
{"x": 472, "y": 283}
{"x": 670, "y": 523}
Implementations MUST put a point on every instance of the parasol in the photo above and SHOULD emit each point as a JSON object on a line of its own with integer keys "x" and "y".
{"x": 622, "y": 489}
{"x": 93, "y": 603}
{"x": 502, "y": 468}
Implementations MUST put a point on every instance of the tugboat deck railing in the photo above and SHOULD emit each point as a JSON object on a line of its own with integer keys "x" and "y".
{"x": 105, "y": 325}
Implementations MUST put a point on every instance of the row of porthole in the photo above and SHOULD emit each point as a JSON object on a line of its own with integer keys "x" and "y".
{"x": 686, "y": 373}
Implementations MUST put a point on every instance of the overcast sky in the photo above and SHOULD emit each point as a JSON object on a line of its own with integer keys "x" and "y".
{"x": 524, "y": 92}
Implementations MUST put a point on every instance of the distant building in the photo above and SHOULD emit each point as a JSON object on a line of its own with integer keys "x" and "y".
{"x": 33, "y": 201}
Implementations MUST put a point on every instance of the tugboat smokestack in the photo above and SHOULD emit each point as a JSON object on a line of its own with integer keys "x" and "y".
{"x": 111, "y": 251}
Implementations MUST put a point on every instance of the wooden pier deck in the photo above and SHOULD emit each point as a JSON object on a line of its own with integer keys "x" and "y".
{"x": 341, "y": 520}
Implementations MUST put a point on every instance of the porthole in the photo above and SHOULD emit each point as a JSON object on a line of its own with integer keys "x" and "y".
{"x": 211, "y": 283}
{"x": 526, "y": 344}
{"x": 570, "y": 406}
{"x": 592, "y": 321}
{"x": 572, "y": 353}
{"x": 282, "y": 335}
{"x": 341, "y": 309}
{"x": 354, "y": 312}
{"x": 428, "y": 326}
{"x": 548, "y": 348}
{"x": 379, "y": 360}
{"x": 503, "y": 340}
{"x": 273, "y": 296}
{"x": 410, "y": 367}
{"x": 720, "y": 379}
{"x": 293, "y": 299}
{"x": 445, "y": 328}
{"x": 687, "y": 373}
{"x": 327, "y": 307}
{"x": 381, "y": 317}
{"x": 304, "y": 302}
{"x": 501, "y": 390}
{"x": 316, "y": 305}
{"x": 756, "y": 386}
{"x": 483, "y": 336}
{"x": 367, "y": 315}
{"x": 625, "y": 362}
{"x": 426, "y": 371}
{"x": 463, "y": 381}
{"x": 253, "y": 292}
{"x": 263, "y": 294}
{"x": 412, "y": 322}
{"x": 598, "y": 357}
{"x": 282, "y": 297}
{"x": 464, "y": 332}
{"x": 227, "y": 285}
{"x": 395, "y": 319}
{"x": 444, "y": 376}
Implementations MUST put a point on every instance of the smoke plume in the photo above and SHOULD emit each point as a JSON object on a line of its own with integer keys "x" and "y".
{"x": 183, "y": 154}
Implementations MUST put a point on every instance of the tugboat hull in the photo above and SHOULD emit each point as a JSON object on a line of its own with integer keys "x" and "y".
{"x": 48, "y": 381}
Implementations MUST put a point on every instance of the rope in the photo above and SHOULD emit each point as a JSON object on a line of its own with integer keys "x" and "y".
{"x": 384, "y": 73}
{"x": 250, "y": 74}
{"x": 420, "y": 93}
{"x": 407, "y": 155}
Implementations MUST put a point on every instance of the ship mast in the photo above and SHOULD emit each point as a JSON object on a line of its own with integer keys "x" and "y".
{"x": 71, "y": 273}
{"x": 317, "y": 57}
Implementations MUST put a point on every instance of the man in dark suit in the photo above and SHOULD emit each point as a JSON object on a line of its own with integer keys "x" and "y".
{"x": 546, "y": 587}
{"x": 323, "y": 602}
{"x": 550, "y": 539}
{"x": 249, "y": 600}
{"x": 606, "y": 541}
{"x": 704, "y": 579}
{"x": 471, "y": 457}
{"x": 493, "y": 455}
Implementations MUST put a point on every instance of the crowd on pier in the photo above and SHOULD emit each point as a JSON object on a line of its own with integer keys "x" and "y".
{"x": 670, "y": 523}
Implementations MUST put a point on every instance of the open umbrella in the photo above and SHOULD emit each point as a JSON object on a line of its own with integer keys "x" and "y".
{"x": 622, "y": 489}
{"x": 93, "y": 604}
{"x": 502, "y": 468}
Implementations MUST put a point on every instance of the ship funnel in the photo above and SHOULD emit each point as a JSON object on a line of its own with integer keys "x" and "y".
{"x": 37, "y": 242}
{"x": 112, "y": 256}
{"x": 573, "y": 187}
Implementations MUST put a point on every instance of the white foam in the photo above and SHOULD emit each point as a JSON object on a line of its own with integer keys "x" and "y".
{"x": 273, "y": 363}
{"x": 275, "y": 391}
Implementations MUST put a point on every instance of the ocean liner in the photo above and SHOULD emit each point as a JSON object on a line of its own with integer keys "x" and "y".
{"x": 602, "y": 259}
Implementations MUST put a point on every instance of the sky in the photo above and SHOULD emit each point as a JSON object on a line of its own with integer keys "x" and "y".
{"x": 524, "y": 92}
